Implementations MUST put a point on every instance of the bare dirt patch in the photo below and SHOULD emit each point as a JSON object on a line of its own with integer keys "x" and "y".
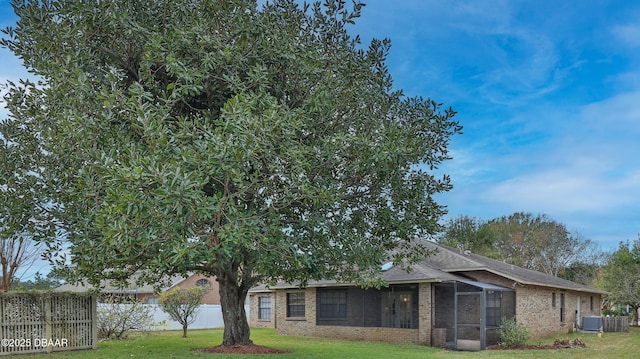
{"x": 242, "y": 349}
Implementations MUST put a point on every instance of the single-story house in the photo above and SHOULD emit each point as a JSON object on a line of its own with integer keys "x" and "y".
{"x": 147, "y": 294}
{"x": 453, "y": 299}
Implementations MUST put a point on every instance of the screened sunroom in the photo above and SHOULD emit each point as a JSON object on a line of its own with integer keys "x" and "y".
{"x": 395, "y": 306}
{"x": 467, "y": 314}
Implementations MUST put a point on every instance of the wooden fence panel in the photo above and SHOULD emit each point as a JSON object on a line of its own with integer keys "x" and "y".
{"x": 615, "y": 324}
{"x": 47, "y": 322}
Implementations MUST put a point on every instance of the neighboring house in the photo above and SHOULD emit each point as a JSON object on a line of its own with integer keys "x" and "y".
{"x": 146, "y": 293}
{"x": 451, "y": 299}
{"x": 209, "y": 314}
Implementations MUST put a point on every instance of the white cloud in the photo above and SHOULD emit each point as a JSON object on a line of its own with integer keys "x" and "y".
{"x": 629, "y": 34}
{"x": 567, "y": 190}
{"x": 584, "y": 173}
{"x": 592, "y": 164}
{"x": 621, "y": 111}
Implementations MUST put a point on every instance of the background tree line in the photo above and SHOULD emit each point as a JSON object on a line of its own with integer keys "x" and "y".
{"x": 535, "y": 242}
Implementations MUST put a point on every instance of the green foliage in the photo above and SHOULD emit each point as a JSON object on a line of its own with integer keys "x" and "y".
{"x": 585, "y": 272}
{"x": 117, "y": 320}
{"x": 254, "y": 143}
{"x": 512, "y": 334}
{"x": 534, "y": 242}
{"x": 615, "y": 312}
{"x": 51, "y": 281}
{"x": 182, "y": 304}
{"x": 22, "y": 216}
{"x": 469, "y": 233}
{"x": 621, "y": 277}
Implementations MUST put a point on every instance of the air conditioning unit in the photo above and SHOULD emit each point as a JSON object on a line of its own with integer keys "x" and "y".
{"x": 592, "y": 323}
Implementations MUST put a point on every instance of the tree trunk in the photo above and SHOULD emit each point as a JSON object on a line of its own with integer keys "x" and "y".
{"x": 232, "y": 298}
{"x": 5, "y": 280}
{"x": 184, "y": 330}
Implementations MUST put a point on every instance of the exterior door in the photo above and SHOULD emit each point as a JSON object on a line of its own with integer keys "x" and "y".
{"x": 396, "y": 308}
{"x": 469, "y": 327}
{"x": 578, "y": 314}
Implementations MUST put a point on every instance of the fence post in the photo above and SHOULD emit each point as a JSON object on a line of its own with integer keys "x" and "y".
{"x": 48, "y": 319}
{"x": 94, "y": 319}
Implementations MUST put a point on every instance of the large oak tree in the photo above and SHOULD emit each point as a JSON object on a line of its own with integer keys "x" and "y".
{"x": 251, "y": 142}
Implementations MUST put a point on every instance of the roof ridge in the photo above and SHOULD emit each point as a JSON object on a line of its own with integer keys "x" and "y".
{"x": 456, "y": 252}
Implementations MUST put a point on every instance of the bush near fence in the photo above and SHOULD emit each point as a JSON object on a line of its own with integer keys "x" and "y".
{"x": 41, "y": 322}
{"x": 209, "y": 316}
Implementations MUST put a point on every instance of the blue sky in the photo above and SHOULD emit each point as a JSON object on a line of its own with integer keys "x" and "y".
{"x": 548, "y": 93}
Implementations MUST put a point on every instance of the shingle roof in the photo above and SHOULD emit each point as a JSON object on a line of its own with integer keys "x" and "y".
{"x": 446, "y": 263}
{"x": 453, "y": 261}
{"x": 108, "y": 287}
{"x": 421, "y": 272}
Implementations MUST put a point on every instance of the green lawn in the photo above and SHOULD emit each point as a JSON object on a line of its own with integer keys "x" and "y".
{"x": 171, "y": 345}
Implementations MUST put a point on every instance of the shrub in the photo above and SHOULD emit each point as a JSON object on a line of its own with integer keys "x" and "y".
{"x": 182, "y": 305}
{"x": 615, "y": 312}
{"x": 512, "y": 334}
{"x": 116, "y": 319}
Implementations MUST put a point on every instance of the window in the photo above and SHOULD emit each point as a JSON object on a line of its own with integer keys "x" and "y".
{"x": 264, "y": 308}
{"x": 204, "y": 283}
{"x": 152, "y": 300}
{"x": 493, "y": 308}
{"x": 591, "y": 303}
{"x": 332, "y": 304}
{"x": 295, "y": 305}
{"x": 562, "y": 308}
{"x": 553, "y": 300}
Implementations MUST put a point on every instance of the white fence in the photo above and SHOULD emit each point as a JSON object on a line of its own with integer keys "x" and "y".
{"x": 209, "y": 316}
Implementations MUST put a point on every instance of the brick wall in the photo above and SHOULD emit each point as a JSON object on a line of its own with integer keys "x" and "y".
{"x": 535, "y": 308}
{"x": 212, "y": 296}
{"x": 254, "y": 321}
{"x": 307, "y": 326}
{"x": 424, "y": 314}
{"x": 390, "y": 335}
